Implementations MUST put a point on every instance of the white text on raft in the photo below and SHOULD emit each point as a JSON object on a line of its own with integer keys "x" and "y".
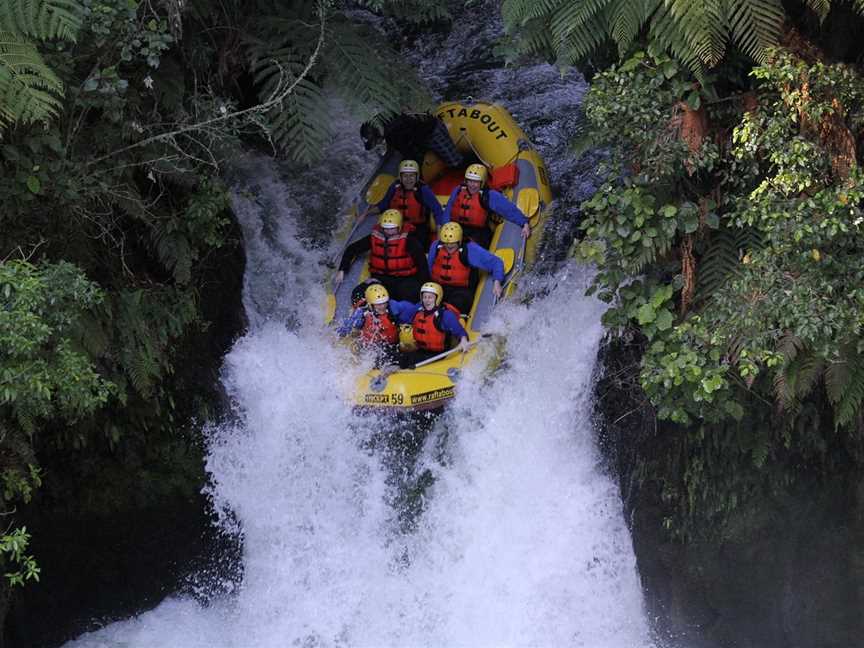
{"x": 484, "y": 118}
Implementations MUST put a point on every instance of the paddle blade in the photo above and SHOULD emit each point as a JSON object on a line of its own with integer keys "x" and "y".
{"x": 508, "y": 256}
{"x": 529, "y": 202}
{"x": 330, "y": 308}
{"x": 375, "y": 192}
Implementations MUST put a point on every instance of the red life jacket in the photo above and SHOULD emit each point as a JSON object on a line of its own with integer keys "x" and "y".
{"x": 451, "y": 268}
{"x": 409, "y": 204}
{"x": 428, "y": 334}
{"x": 391, "y": 256}
{"x": 469, "y": 210}
{"x": 378, "y": 329}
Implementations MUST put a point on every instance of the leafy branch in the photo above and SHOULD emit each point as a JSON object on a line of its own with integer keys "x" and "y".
{"x": 280, "y": 93}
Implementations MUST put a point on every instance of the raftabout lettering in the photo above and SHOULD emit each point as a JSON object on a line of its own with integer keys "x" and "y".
{"x": 437, "y": 394}
{"x": 484, "y": 118}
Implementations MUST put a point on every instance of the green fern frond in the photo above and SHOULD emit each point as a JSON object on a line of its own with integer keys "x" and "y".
{"x": 789, "y": 346}
{"x": 667, "y": 33}
{"x": 626, "y": 20}
{"x": 300, "y": 125}
{"x": 810, "y": 369}
{"x": 581, "y": 41}
{"x": 42, "y": 19}
{"x": 29, "y": 89}
{"x": 534, "y": 38}
{"x": 756, "y": 25}
{"x": 749, "y": 240}
{"x": 368, "y": 74}
{"x": 143, "y": 371}
{"x": 518, "y": 12}
{"x": 798, "y": 376}
{"x": 703, "y": 24}
{"x": 174, "y": 252}
{"x": 784, "y": 393}
{"x": 352, "y": 63}
{"x": 571, "y": 16}
{"x": 820, "y": 8}
{"x": 858, "y": 5}
{"x": 844, "y": 382}
{"x": 720, "y": 261}
{"x": 696, "y": 32}
{"x": 837, "y": 377}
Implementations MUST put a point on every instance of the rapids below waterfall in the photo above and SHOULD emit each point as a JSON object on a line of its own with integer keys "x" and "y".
{"x": 494, "y": 524}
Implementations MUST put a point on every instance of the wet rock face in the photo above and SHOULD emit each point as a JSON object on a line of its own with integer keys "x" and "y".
{"x": 98, "y": 567}
{"x": 786, "y": 578}
{"x": 789, "y": 573}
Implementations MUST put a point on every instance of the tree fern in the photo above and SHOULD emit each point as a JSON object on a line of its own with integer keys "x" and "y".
{"x": 755, "y": 25}
{"x": 704, "y": 26}
{"x": 670, "y": 36}
{"x": 174, "y": 251}
{"x": 42, "y": 19}
{"x": 352, "y": 63}
{"x": 571, "y": 16}
{"x": 819, "y": 7}
{"x": 517, "y": 12}
{"x": 626, "y": 20}
{"x": 844, "y": 383}
{"x": 799, "y": 374}
{"x": 148, "y": 321}
{"x": 717, "y": 264}
{"x": 697, "y": 32}
{"x": 29, "y": 90}
{"x": 366, "y": 73}
{"x": 535, "y": 38}
{"x": 722, "y": 258}
{"x": 576, "y": 42}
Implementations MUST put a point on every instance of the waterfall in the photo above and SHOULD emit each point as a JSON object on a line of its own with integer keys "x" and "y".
{"x": 521, "y": 540}
{"x": 516, "y": 534}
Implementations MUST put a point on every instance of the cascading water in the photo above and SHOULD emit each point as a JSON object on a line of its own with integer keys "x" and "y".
{"x": 518, "y": 537}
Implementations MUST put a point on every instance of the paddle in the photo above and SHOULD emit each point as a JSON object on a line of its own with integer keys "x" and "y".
{"x": 528, "y": 202}
{"x": 445, "y": 354}
{"x": 380, "y": 185}
{"x": 506, "y": 255}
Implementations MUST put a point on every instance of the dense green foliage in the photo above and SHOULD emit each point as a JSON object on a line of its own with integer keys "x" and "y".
{"x": 698, "y": 33}
{"x": 29, "y": 89}
{"x": 44, "y": 376}
{"x": 728, "y": 239}
{"x": 115, "y": 119}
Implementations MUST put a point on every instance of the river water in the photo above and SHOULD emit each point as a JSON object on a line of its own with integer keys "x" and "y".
{"x": 494, "y": 525}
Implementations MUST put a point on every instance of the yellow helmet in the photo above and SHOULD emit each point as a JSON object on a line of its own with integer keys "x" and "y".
{"x": 377, "y": 294}
{"x": 432, "y": 287}
{"x": 450, "y": 233}
{"x": 390, "y": 218}
{"x": 476, "y": 172}
{"x": 409, "y": 166}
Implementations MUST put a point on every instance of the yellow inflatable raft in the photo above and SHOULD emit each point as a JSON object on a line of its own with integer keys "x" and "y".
{"x": 481, "y": 131}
